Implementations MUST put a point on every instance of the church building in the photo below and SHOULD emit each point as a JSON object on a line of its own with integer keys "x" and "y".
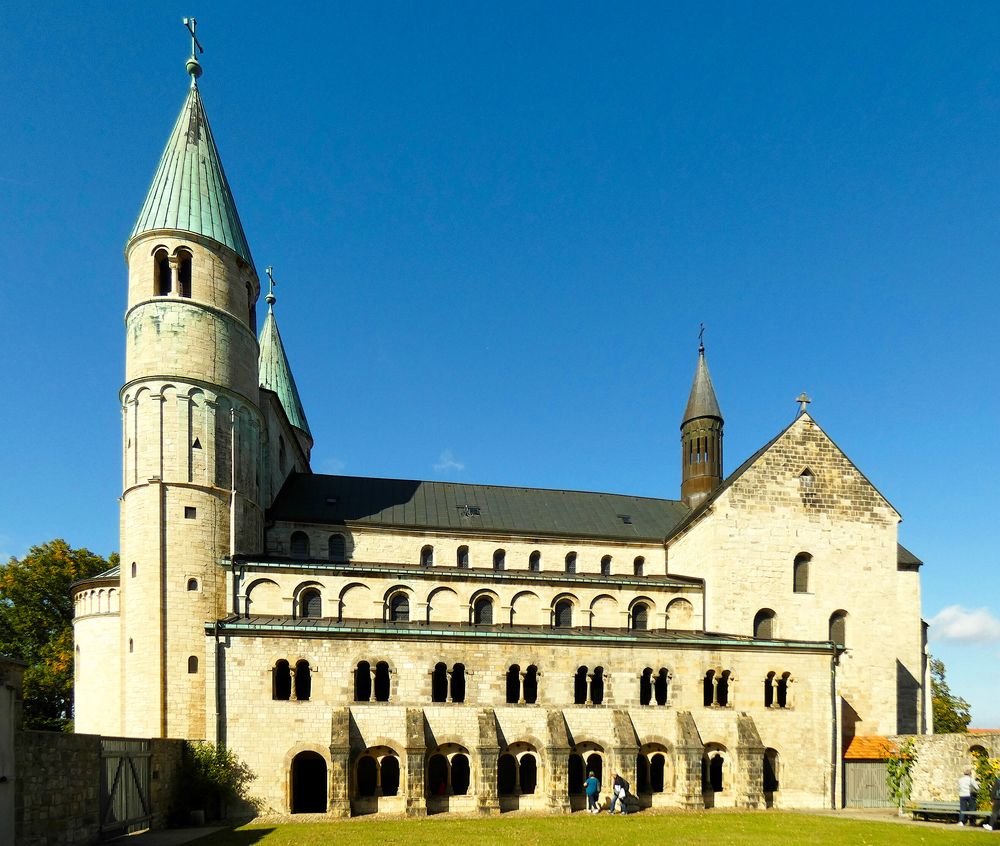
{"x": 376, "y": 645}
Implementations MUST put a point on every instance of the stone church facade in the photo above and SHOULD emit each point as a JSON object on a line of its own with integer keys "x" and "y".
{"x": 380, "y": 645}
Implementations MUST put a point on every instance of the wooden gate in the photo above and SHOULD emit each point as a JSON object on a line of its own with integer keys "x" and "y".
{"x": 125, "y": 776}
{"x": 865, "y": 785}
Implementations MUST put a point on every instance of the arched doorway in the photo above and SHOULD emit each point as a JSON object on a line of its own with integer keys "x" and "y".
{"x": 308, "y": 784}
{"x": 770, "y": 776}
{"x": 575, "y": 775}
{"x": 437, "y": 776}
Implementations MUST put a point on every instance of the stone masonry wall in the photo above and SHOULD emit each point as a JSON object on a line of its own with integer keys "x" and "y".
{"x": 58, "y": 800}
{"x": 268, "y": 733}
{"x": 942, "y": 758}
{"x": 802, "y": 495}
{"x": 58, "y": 803}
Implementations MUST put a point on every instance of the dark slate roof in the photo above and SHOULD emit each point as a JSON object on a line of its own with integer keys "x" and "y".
{"x": 401, "y": 503}
{"x": 905, "y": 558}
{"x": 326, "y": 626}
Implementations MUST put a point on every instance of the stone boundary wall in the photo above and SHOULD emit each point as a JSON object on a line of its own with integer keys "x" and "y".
{"x": 941, "y": 759}
{"x": 58, "y": 800}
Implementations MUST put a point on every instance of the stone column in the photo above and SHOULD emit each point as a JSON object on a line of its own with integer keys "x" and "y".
{"x": 556, "y": 761}
{"x": 488, "y": 753}
{"x": 626, "y": 749}
{"x": 416, "y": 754}
{"x": 690, "y": 750}
{"x": 339, "y": 795}
{"x": 748, "y": 775}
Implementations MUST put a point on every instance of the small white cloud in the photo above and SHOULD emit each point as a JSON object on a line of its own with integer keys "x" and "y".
{"x": 957, "y": 623}
{"x": 447, "y": 463}
{"x": 332, "y": 465}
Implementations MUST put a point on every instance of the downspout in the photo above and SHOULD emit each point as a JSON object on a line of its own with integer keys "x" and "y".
{"x": 232, "y": 474}
{"x": 218, "y": 676}
{"x": 836, "y": 762}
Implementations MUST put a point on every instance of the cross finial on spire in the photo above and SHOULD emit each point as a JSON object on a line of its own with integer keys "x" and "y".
{"x": 803, "y": 401}
{"x": 701, "y": 338}
{"x": 270, "y": 299}
{"x": 193, "y": 65}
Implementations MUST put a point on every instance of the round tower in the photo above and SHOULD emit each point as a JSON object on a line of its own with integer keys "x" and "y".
{"x": 701, "y": 438}
{"x": 191, "y": 429}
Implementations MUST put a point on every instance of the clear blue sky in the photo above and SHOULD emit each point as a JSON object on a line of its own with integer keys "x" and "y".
{"x": 496, "y": 228}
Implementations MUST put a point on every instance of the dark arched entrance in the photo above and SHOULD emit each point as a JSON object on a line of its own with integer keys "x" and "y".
{"x": 308, "y": 783}
{"x": 390, "y": 775}
{"x": 437, "y": 776}
{"x": 575, "y": 774}
{"x": 529, "y": 773}
{"x": 506, "y": 775}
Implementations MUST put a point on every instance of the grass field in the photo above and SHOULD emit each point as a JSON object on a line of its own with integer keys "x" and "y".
{"x": 683, "y": 829}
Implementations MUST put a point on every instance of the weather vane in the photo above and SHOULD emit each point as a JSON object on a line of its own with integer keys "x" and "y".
{"x": 701, "y": 338}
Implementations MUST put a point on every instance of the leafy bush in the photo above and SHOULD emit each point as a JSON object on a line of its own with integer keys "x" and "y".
{"x": 212, "y": 779}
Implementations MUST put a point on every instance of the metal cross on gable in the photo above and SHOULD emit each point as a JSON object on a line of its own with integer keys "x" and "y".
{"x": 192, "y": 26}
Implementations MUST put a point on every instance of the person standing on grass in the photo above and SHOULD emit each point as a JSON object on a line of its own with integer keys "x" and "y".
{"x": 995, "y": 811}
{"x": 619, "y": 790}
{"x": 967, "y": 787}
{"x": 592, "y": 787}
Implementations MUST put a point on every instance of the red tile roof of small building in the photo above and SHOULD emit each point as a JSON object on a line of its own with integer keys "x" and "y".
{"x": 869, "y": 747}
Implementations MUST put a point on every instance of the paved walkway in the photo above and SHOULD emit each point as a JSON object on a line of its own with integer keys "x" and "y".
{"x": 167, "y": 836}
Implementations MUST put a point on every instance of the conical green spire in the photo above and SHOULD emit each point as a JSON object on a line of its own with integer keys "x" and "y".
{"x": 276, "y": 375}
{"x": 189, "y": 191}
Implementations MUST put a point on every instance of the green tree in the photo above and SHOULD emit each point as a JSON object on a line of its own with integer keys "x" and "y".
{"x": 899, "y": 773}
{"x": 36, "y": 625}
{"x": 951, "y": 713}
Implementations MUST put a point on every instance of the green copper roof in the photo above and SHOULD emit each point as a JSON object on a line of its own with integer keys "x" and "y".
{"x": 189, "y": 190}
{"x": 276, "y": 375}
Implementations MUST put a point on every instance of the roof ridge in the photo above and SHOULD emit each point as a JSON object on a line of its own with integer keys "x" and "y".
{"x": 490, "y": 485}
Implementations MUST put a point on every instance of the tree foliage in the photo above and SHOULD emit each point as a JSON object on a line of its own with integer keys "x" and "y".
{"x": 36, "y": 625}
{"x": 899, "y": 773}
{"x": 987, "y": 773}
{"x": 951, "y": 713}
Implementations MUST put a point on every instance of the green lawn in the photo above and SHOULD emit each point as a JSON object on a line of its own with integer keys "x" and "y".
{"x": 695, "y": 828}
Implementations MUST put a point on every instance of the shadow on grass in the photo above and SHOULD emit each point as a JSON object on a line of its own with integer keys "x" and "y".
{"x": 236, "y": 837}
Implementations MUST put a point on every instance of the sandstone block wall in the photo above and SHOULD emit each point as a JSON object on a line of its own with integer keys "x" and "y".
{"x": 449, "y": 595}
{"x": 774, "y": 512}
{"x": 365, "y": 543}
{"x": 270, "y": 733}
{"x": 942, "y": 758}
{"x": 58, "y": 799}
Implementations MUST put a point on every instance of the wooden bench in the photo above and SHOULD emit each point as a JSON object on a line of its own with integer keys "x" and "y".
{"x": 927, "y": 810}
